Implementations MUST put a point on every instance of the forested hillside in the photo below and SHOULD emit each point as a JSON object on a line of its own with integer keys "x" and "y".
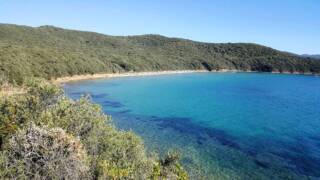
{"x": 313, "y": 56}
{"x": 51, "y": 52}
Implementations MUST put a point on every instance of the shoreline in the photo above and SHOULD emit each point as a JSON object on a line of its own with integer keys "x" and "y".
{"x": 67, "y": 79}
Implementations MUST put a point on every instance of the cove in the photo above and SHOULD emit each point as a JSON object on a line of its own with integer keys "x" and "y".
{"x": 226, "y": 125}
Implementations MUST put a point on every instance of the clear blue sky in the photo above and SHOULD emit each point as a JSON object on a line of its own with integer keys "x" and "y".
{"x": 289, "y": 25}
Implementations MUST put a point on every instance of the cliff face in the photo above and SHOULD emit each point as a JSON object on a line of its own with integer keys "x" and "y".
{"x": 51, "y": 52}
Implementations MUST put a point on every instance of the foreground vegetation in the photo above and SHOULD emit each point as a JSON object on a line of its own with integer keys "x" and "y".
{"x": 51, "y": 52}
{"x": 45, "y": 135}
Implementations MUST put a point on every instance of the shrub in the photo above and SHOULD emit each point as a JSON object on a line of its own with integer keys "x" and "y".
{"x": 41, "y": 153}
{"x": 115, "y": 153}
{"x": 125, "y": 156}
{"x": 43, "y": 92}
{"x": 170, "y": 167}
{"x": 110, "y": 153}
{"x": 3, "y": 80}
{"x": 16, "y": 111}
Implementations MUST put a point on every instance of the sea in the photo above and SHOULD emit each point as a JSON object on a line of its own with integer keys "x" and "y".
{"x": 225, "y": 125}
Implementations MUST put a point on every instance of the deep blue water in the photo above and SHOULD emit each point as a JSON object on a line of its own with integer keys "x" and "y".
{"x": 227, "y": 125}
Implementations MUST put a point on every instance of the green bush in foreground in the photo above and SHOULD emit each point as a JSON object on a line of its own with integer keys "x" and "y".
{"x": 41, "y": 153}
{"x": 45, "y": 125}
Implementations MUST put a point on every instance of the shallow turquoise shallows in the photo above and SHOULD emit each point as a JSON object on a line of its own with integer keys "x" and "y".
{"x": 226, "y": 125}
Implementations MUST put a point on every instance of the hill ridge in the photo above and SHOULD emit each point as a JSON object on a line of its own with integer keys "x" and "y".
{"x": 51, "y": 52}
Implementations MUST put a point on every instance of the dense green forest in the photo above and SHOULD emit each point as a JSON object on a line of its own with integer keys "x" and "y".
{"x": 52, "y": 52}
{"x": 314, "y": 56}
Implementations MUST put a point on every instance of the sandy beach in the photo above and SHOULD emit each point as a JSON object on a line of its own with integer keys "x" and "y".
{"x": 126, "y": 74}
{"x": 66, "y": 79}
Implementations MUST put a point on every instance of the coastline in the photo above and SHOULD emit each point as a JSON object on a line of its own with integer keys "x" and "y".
{"x": 66, "y": 79}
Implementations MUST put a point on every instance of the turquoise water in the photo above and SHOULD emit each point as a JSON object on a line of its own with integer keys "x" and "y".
{"x": 226, "y": 125}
